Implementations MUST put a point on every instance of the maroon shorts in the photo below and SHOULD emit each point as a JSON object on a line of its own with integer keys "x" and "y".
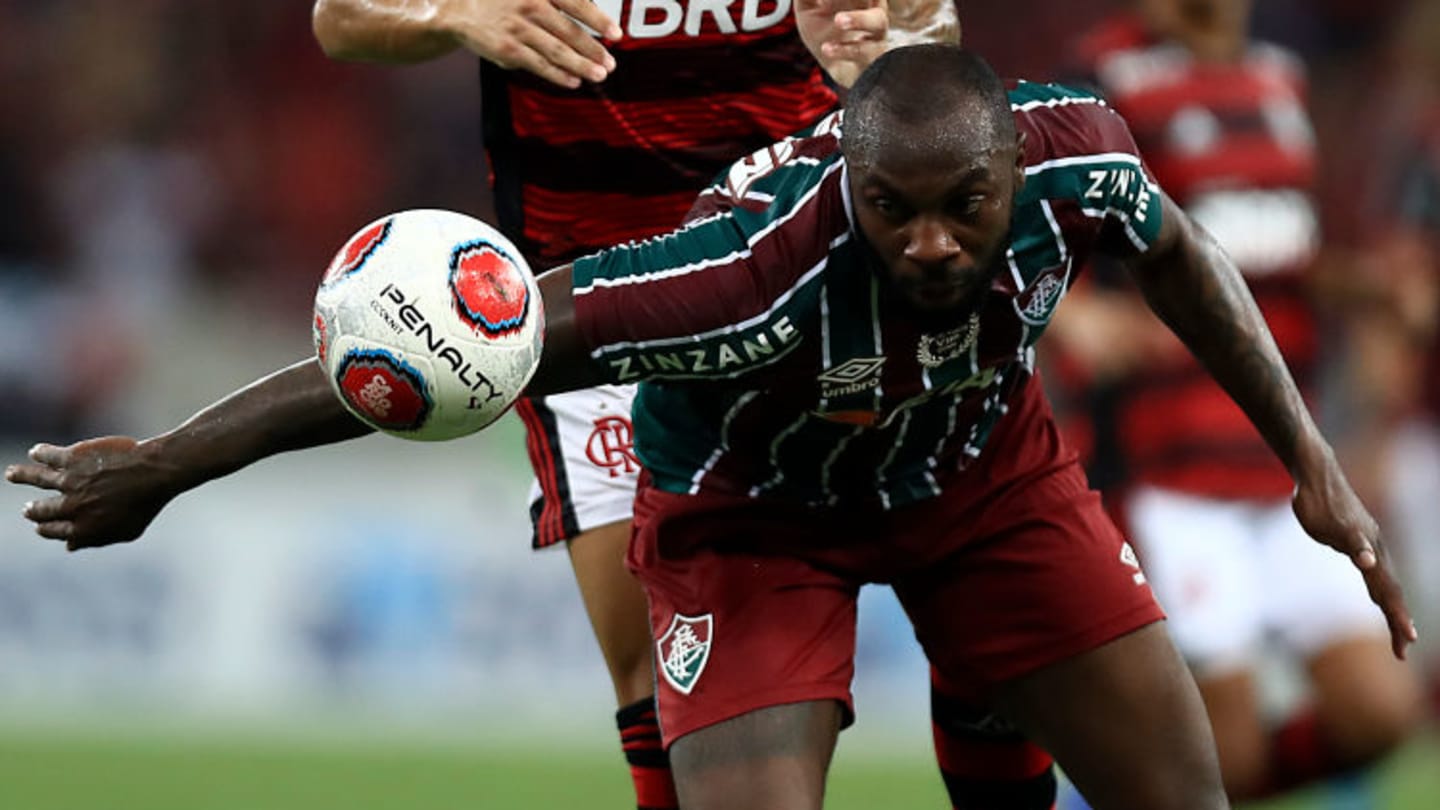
{"x": 1015, "y": 566}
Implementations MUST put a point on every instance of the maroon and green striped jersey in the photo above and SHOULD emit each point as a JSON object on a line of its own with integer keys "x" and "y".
{"x": 773, "y": 357}
{"x": 695, "y": 86}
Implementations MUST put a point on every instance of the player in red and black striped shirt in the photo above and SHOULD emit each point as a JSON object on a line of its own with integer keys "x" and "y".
{"x": 1220, "y": 120}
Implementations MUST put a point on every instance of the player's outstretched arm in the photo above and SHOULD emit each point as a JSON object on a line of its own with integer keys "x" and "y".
{"x": 565, "y": 363}
{"x": 539, "y": 36}
{"x": 1198, "y": 291}
{"x": 108, "y": 490}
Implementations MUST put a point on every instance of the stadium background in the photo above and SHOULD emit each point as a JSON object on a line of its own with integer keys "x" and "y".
{"x": 363, "y": 626}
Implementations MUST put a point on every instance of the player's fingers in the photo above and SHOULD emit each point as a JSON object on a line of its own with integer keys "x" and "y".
{"x": 1387, "y": 594}
{"x": 869, "y": 22}
{"x": 510, "y": 49}
{"x": 56, "y": 530}
{"x": 589, "y": 13}
{"x": 568, "y": 47}
{"x": 523, "y": 57}
{"x": 1353, "y": 543}
{"x": 50, "y": 455}
{"x": 1402, "y": 623}
{"x": 33, "y": 474}
{"x": 858, "y": 52}
{"x": 45, "y": 510}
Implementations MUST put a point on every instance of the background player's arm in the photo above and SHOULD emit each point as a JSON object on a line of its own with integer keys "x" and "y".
{"x": 845, "y": 36}
{"x": 1195, "y": 288}
{"x": 539, "y": 36}
{"x": 108, "y": 490}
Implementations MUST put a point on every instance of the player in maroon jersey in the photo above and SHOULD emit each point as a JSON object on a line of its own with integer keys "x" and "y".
{"x": 1220, "y": 119}
{"x": 597, "y": 142}
{"x": 902, "y": 270}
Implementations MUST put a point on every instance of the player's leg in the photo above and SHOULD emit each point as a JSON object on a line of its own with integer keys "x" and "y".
{"x": 1362, "y": 702}
{"x": 984, "y": 760}
{"x": 1040, "y": 601}
{"x": 615, "y": 603}
{"x": 1232, "y": 701}
{"x": 1126, "y": 723}
{"x": 774, "y": 758}
{"x": 585, "y": 470}
{"x": 1200, "y": 559}
{"x": 754, "y": 651}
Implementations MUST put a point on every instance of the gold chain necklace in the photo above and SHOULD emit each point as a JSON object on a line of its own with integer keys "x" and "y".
{"x": 936, "y": 349}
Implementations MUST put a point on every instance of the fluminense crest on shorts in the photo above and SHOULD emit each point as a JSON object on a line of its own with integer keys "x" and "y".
{"x": 489, "y": 289}
{"x": 684, "y": 650}
{"x": 387, "y": 390}
{"x": 353, "y": 255}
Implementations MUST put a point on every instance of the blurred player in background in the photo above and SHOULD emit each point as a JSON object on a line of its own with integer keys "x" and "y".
{"x": 594, "y": 142}
{"x": 1389, "y": 282}
{"x": 1220, "y": 119}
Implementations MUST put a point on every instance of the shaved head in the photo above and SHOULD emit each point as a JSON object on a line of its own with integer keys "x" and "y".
{"x": 924, "y": 101}
{"x": 934, "y": 163}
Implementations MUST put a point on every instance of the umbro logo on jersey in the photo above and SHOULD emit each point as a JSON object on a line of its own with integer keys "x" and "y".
{"x": 851, "y": 377}
{"x": 684, "y": 650}
{"x": 1127, "y": 556}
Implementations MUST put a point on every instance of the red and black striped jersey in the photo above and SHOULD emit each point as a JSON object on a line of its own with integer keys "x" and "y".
{"x": 1232, "y": 144}
{"x": 696, "y": 85}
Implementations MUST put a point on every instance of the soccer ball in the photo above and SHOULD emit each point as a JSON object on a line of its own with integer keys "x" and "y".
{"x": 428, "y": 324}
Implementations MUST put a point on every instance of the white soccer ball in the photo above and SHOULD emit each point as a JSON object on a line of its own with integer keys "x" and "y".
{"x": 429, "y": 324}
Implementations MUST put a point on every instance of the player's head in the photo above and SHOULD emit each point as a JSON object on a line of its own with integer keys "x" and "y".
{"x": 934, "y": 163}
{"x": 1208, "y": 25}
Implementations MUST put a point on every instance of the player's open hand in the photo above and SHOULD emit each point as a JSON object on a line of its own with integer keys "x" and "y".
{"x": 543, "y": 37}
{"x": 844, "y": 35}
{"x": 106, "y": 491}
{"x": 1332, "y": 513}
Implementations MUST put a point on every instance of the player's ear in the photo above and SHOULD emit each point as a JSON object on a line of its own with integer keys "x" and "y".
{"x": 1019, "y": 161}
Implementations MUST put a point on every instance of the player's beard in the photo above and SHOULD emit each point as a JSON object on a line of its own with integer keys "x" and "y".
{"x": 930, "y": 320}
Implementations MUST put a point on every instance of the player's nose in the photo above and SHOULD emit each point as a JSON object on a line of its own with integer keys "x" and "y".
{"x": 929, "y": 242}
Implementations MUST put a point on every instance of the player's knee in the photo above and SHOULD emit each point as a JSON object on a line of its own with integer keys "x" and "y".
{"x": 634, "y": 680}
{"x": 1374, "y": 721}
{"x": 1367, "y": 703}
{"x": 1244, "y": 763}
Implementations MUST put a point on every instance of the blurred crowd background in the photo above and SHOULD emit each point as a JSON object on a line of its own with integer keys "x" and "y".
{"x": 175, "y": 175}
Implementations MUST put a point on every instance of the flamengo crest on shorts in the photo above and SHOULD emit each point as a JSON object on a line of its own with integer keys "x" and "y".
{"x": 611, "y": 446}
{"x": 684, "y": 650}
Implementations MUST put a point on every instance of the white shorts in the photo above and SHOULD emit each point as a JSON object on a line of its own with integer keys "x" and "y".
{"x": 1233, "y": 575}
{"x": 581, "y": 447}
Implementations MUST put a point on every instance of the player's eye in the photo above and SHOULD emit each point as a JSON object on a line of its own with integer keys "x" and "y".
{"x": 889, "y": 208}
{"x": 968, "y": 206}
